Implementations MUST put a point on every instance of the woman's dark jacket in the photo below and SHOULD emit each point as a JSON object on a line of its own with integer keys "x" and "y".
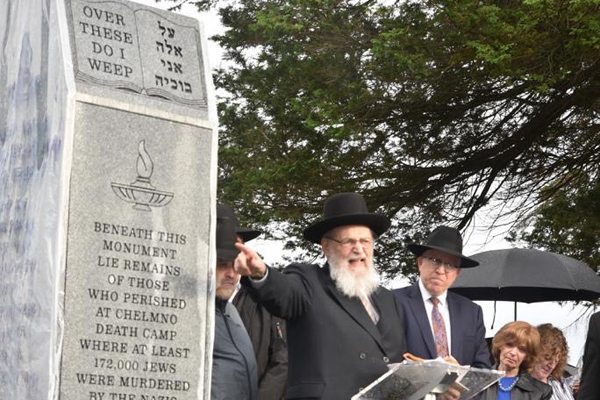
{"x": 527, "y": 388}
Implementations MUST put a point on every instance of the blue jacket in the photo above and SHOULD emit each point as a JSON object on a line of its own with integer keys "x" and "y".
{"x": 234, "y": 375}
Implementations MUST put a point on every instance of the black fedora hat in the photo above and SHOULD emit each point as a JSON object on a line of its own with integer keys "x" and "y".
{"x": 225, "y": 210}
{"x": 346, "y": 209}
{"x": 445, "y": 239}
{"x": 226, "y": 240}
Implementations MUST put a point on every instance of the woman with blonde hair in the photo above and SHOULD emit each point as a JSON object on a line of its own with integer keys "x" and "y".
{"x": 515, "y": 348}
{"x": 552, "y": 360}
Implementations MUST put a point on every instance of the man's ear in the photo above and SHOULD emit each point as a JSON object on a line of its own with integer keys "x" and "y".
{"x": 325, "y": 246}
{"x": 420, "y": 261}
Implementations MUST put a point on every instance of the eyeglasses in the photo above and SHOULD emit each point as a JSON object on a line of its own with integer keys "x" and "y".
{"x": 448, "y": 266}
{"x": 349, "y": 243}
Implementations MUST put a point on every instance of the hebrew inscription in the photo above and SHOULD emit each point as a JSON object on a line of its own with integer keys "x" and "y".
{"x": 138, "y": 49}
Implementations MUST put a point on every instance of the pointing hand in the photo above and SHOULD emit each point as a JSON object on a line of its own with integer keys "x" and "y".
{"x": 249, "y": 263}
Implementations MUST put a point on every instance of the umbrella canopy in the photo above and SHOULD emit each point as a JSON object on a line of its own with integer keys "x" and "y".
{"x": 528, "y": 276}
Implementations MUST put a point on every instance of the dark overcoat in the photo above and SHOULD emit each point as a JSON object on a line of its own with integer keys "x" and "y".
{"x": 590, "y": 375}
{"x": 334, "y": 348}
{"x": 268, "y": 337}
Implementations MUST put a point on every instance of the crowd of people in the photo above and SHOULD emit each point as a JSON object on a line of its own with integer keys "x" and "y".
{"x": 328, "y": 331}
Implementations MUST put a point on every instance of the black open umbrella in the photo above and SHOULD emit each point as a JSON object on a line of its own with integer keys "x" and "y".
{"x": 528, "y": 276}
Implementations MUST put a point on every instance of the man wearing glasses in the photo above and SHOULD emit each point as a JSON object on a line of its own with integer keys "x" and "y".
{"x": 343, "y": 328}
{"x": 439, "y": 323}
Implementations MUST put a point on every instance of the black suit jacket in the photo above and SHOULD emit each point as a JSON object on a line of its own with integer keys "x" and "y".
{"x": 466, "y": 323}
{"x": 334, "y": 348}
{"x": 590, "y": 376}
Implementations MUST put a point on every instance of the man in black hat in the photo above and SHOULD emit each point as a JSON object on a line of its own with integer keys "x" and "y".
{"x": 343, "y": 328}
{"x": 234, "y": 373}
{"x": 439, "y": 323}
{"x": 243, "y": 234}
{"x": 266, "y": 331}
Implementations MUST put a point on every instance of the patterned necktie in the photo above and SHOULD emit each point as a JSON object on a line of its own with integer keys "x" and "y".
{"x": 439, "y": 329}
{"x": 370, "y": 309}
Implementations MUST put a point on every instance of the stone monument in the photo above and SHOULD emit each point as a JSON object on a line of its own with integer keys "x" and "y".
{"x": 107, "y": 193}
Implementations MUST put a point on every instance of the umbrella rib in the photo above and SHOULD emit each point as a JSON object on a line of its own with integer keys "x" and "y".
{"x": 572, "y": 283}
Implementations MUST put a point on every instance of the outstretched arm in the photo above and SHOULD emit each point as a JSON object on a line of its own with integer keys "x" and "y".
{"x": 286, "y": 295}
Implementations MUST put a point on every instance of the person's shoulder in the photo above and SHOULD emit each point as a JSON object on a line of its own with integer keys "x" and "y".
{"x": 558, "y": 384}
{"x": 301, "y": 266}
{"x": 404, "y": 290}
{"x": 384, "y": 292}
{"x": 459, "y": 297}
{"x": 528, "y": 382}
{"x": 307, "y": 270}
{"x": 462, "y": 300}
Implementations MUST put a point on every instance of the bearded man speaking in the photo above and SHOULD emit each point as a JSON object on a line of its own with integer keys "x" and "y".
{"x": 343, "y": 328}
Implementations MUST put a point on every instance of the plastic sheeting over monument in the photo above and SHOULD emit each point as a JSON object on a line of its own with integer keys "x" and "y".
{"x": 33, "y": 116}
{"x": 107, "y": 193}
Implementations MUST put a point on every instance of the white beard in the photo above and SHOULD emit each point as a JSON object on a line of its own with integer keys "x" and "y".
{"x": 353, "y": 284}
